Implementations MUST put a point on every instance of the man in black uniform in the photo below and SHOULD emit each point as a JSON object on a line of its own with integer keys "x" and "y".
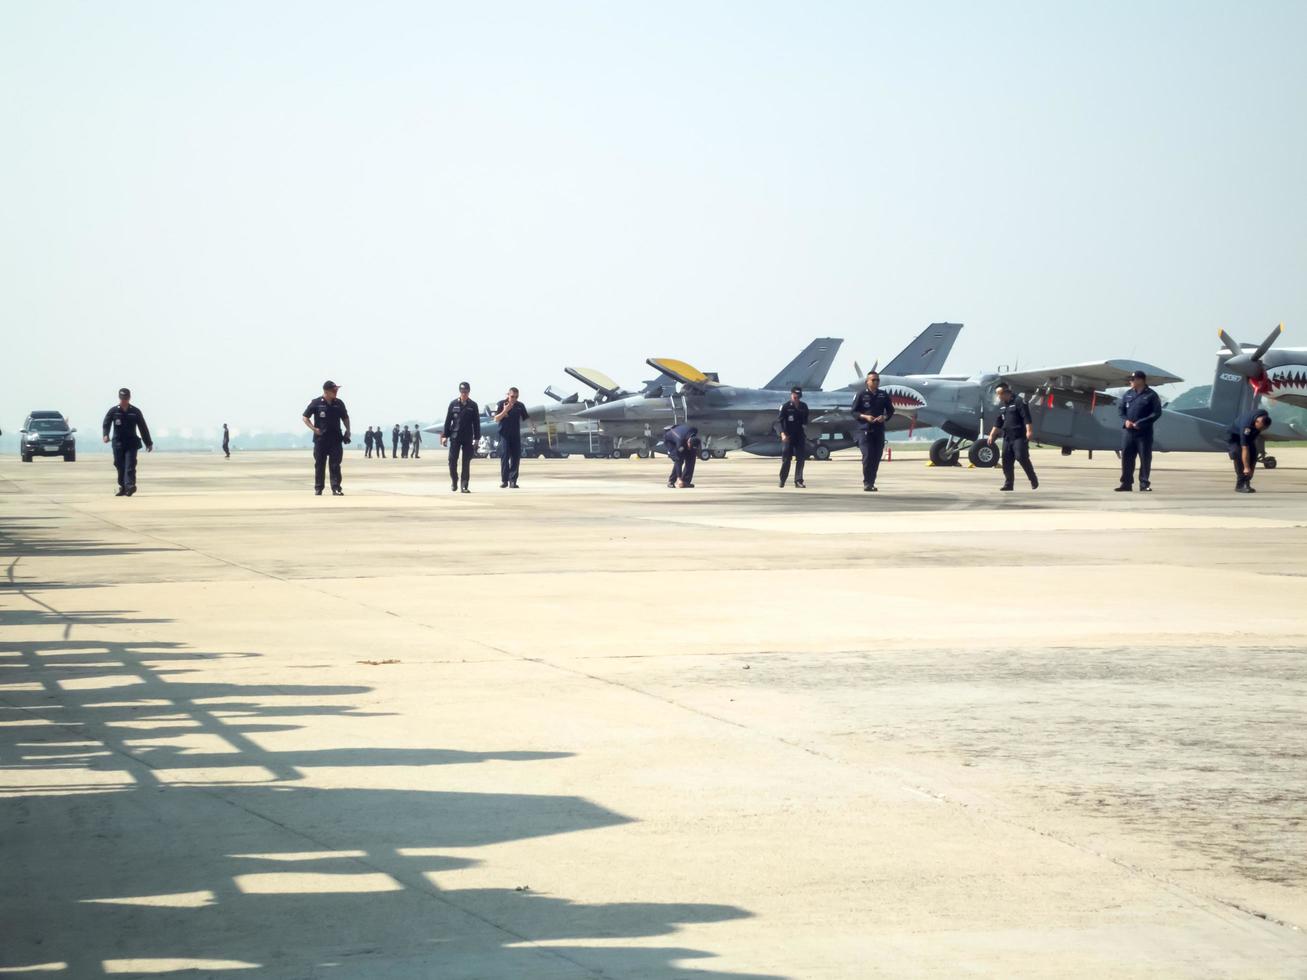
{"x": 1014, "y": 422}
{"x": 872, "y": 408}
{"x": 379, "y": 443}
{"x": 462, "y": 433}
{"x": 325, "y": 416}
{"x": 1242, "y": 439}
{"x": 1139, "y": 408}
{"x": 510, "y": 413}
{"x": 794, "y": 440}
{"x": 682, "y": 445}
{"x": 405, "y": 441}
{"x": 417, "y": 440}
{"x": 367, "y": 443}
{"x": 127, "y": 423}
{"x": 226, "y": 441}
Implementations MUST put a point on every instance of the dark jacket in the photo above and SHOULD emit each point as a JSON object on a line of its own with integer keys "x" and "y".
{"x": 1013, "y": 417}
{"x": 872, "y": 403}
{"x": 1245, "y": 431}
{"x": 328, "y": 417}
{"x": 463, "y": 421}
{"x": 128, "y": 425}
{"x": 793, "y": 417}
{"x": 1143, "y": 408}
{"x": 679, "y": 438}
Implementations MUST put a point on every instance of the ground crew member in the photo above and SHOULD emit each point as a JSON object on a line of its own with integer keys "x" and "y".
{"x": 1242, "y": 439}
{"x": 872, "y": 408}
{"x": 794, "y": 440}
{"x": 405, "y": 441}
{"x": 417, "y": 440}
{"x": 462, "y": 432}
{"x": 682, "y": 445}
{"x": 367, "y": 443}
{"x": 1139, "y": 408}
{"x": 510, "y": 414}
{"x": 379, "y": 442}
{"x": 1014, "y": 422}
{"x": 226, "y": 441}
{"x": 394, "y": 442}
{"x": 325, "y": 416}
{"x": 126, "y": 422}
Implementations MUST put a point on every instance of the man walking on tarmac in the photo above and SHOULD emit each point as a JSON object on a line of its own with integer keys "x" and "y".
{"x": 125, "y": 421}
{"x": 462, "y": 432}
{"x": 417, "y": 440}
{"x": 226, "y": 441}
{"x": 872, "y": 408}
{"x": 1015, "y": 424}
{"x": 794, "y": 440}
{"x": 510, "y": 413}
{"x": 325, "y": 416}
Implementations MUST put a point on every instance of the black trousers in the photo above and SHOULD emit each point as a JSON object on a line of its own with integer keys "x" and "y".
{"x": 1236, "y": 454}
{"x": 466, "y": 450}
{"x": 380, "y": 446}
{"x": 404, "y": 451}
{"x": 394, "y": 447}
{"x": 416, "y": 447}
{"x": 872, "y": 444}
{"x": 226, "y": 449}
{"x": 793, "y": 448}
{"x": 124, "y": 461}
{"x": 683, "y": 461}
{"x": 324, "y": 453}
{"x": 510, "y": 458}
{"x": 1136, "y": 444}
{"x": 1016, "y": 449}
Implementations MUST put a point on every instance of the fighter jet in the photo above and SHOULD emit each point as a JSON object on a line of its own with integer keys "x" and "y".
{"x": 1279, "y": 375}
{"x": 730, "y": 418}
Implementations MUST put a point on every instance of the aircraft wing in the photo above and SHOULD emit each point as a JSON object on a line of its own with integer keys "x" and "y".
{"x": 1094, "y": 376}
{"x": 687, "y": 374}
{"x": 597, "y": 380}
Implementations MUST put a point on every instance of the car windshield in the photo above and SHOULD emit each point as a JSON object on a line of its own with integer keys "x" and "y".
{"x": 47, "y": 425}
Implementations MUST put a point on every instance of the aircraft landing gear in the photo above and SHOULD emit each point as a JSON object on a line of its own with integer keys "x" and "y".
{"x": 705, "y": 455}
{"x": 1270, "y": 462}
{"x": 945, "y": 452}
{"x": 821, "y": 452}
{"x": 1066, "y": 450}
{"x": 983, "y": 455}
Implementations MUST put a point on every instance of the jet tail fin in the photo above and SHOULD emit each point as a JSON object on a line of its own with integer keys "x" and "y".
{"x": 927, "y": 353}
{"x": 810, "y": 368}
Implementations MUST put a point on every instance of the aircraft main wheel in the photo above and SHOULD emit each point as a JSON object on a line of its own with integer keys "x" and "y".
{"x": 937, "y": 451}
{"x": 821, "y": 452}
{"x": 642, "y": 453}
{"x": 719, "y": 454}
{"x": 1066, "y": 450}
{"x": 1270, "y": 462}
{"x": 982, "y": 454}
{"x": 705, "y": 455}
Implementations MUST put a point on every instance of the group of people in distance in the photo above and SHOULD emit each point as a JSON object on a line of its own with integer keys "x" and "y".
{"x": 328, "y": 418}
{"x": 405, "y": 443}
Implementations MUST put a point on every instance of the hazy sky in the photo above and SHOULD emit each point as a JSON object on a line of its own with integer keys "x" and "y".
{"x": 221, "y": 204}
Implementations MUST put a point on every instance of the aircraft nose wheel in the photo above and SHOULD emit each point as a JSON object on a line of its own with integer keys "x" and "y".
{"x": 1270, "y": 462}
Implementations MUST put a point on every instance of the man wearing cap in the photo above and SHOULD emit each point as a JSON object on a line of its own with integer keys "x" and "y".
{"x": 794, "y": 440}
{"x": 872, "y": 408}
{"x": 682, "y": 444}
{"x": 462, "y": 432}
{"x": 1139, "y": 408}
{"x": 510, "y": 413}
{"x": 405, "y": 441}
{"x": 1241, "y": 439}
{"x": 127, "y": 423}
{"x": 394, "y": 442}
{"x": 325, "y": 416}
{"x": 1018, "y": 429}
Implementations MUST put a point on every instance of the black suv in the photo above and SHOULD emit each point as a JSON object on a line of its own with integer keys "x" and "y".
{"x": 47, "y": 434}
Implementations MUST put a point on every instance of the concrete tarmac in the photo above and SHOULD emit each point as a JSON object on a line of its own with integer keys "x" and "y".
{"x": 596, "y": 728}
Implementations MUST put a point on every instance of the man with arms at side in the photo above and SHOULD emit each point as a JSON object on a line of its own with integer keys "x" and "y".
{"x": 1139, "y": 408}
{"x": 872, "y": 408}
{"x": 325, "y": 416}
{"x": 126, "y": 422}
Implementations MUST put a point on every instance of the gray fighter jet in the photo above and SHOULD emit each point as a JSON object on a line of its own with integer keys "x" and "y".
{"x": 730, "y": 418}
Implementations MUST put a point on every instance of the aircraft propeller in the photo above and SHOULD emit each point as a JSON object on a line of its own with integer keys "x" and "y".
{"x": 1250, "y": 365}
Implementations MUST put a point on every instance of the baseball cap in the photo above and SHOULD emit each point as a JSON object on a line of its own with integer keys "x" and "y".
{"x": 796, "y": 390}
{"x": 1139, "y": 375}
{"x": 124, "y": 393}
{"x": 329, "y": 385}
{"x": 464, "y": 386}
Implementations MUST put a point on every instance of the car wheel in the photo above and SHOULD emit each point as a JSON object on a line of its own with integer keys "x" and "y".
{"x": 70, "y": 457}
{"x": 26, "y": 458}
